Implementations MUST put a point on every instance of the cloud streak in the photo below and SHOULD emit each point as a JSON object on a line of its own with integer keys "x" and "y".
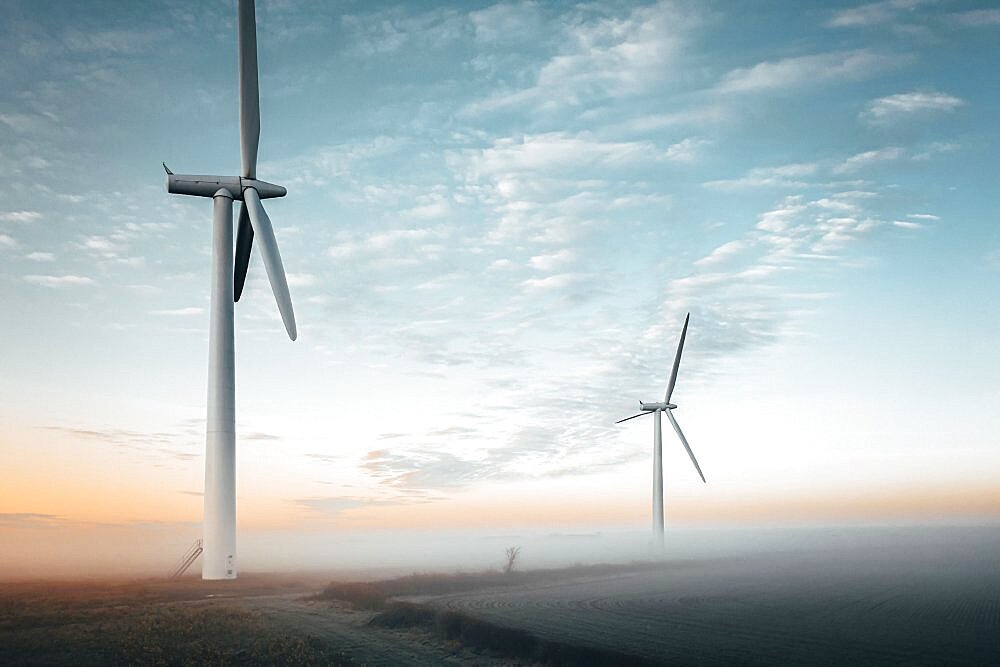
{"x": 893, "y": 107}
{"x": 58, "y": 281}
{"x": 600, "y": 57}
{"x": 874, "y": 13}
{"x": 808, "y": 70}
{"x": 869, "y": 158}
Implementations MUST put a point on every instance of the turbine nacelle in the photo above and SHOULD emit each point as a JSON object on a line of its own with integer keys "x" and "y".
{"x": 208, "y": 186}
{"x": 651, "y": 407}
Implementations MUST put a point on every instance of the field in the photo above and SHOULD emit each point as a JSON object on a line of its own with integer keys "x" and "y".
{"x": 917, "y": 597}
{"x": 782, "y": 609}
{"x": 259, "y": 620}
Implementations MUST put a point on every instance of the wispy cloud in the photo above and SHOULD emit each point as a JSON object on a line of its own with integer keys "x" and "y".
{"x": 428, "y": 468}
{"x": 301, "y": 279}
{"x": 58, "y": 281}
{"x": 868, "y": 158}
{"x": 891, "y": 108}
{"x": 551, "y": 283}
{"x": 874, "y": 13}
{"x": 600, "y": 57}
{"x": 28, "y": 123}
{"x": 259, "y": 436}
{"x": 553, "y": 260}
{"x": 325, "y": 166}
{"x": 400, "y": 243}
{"x": 695, "y": 116}
{"x": 723, "y": 253}
{"x": 735, "y": 290}
{"x": 429, "y": 207}
{"x": 808, "y": 70}
{"x": 686, "y": 150}
{"x": 560, "y": 150}
{"x": 177, "y": 444}
{"x": 504, "y": 22}
{"x": 389, "y": 30}
{"x": 552, "y": 188}
{"x": 935, "y": 148}
{"x": 30, "y": 519}
{"x": 784, "y": 176}
{"x": 20, "y": 216}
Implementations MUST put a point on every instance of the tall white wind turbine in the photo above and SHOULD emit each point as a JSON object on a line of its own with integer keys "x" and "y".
{"x": 228, "y": 277}
{"x": 655, "y": 409}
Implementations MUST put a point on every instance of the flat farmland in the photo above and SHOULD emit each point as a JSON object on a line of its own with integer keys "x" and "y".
{"x": 905, "y": 603}
{"x": 874, "y": 596}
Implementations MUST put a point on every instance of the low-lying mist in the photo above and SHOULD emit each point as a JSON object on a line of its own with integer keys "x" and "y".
{"x": 143, "y": 550}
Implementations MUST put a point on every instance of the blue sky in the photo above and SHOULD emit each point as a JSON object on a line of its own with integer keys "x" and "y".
{"x": 497, "y": 216}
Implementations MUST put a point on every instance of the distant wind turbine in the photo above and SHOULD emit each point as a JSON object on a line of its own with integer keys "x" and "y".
{"x": 228, "y": 277}
{"x": 655, "y": 409}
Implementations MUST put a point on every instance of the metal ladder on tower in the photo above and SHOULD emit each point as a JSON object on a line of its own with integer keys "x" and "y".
{"x": 189, "y": 557}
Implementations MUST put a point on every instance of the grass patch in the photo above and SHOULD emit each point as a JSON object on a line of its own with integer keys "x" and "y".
{"x": 216, "y": 635}
{"x": 91, "y": 624}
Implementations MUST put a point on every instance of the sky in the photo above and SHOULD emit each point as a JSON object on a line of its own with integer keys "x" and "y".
{"x": 497, "y": 217}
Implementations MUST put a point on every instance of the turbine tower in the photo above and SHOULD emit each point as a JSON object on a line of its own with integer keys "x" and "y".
{"x": 655, "y": 409}
{"x": 228, "y": 277}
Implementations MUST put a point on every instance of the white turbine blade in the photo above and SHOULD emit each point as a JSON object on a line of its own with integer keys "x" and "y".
{"x": 249, "y": 99}
{"x": 633, "y": 417}
{"x": 684, "y": 442}
{"x": 677, "y": 361}
{"x": 264, "y": 234}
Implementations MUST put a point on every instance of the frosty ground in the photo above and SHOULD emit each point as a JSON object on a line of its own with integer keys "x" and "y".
{"x": 919, "y": 596}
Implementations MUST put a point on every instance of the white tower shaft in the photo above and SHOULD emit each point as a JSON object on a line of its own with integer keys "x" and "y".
{"x": 219, "y": 531}
{"x": 657, "y": 481}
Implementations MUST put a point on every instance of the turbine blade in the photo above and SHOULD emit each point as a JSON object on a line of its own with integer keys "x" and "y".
{"x": 633, "y": 417}
{"x": 249, "y": 99}
{"x": 244, "y": 244}
{"x": 680, "y": 434}
{"x": 677, "y": 361}
{"x": 272, "y": 258}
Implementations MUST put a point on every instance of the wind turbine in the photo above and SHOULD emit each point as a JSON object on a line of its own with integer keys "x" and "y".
{"x": 655, "y": 409}
{"x": 228, "y": 277}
